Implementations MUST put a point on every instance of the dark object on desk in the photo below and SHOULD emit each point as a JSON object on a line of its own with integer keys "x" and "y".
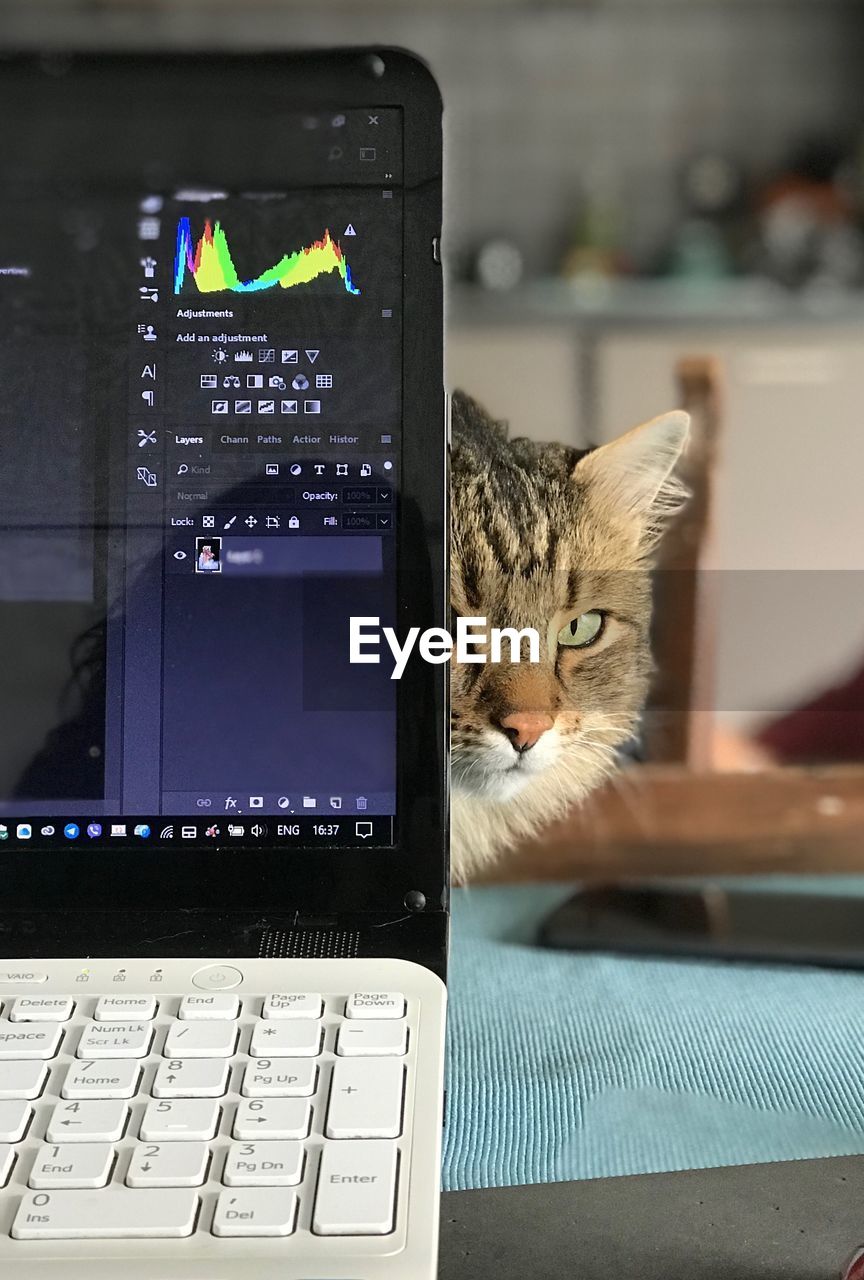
{"x": 671, "y": 920}
{"x": 790, "y": 1221}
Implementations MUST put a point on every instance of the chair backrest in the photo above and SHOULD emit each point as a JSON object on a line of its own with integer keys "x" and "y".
{"x": 678, "y": 726}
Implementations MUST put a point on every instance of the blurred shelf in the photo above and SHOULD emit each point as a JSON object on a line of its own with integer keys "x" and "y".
{"x": 642, "y": 303}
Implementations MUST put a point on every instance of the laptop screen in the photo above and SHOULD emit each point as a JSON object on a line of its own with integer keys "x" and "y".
{"x": 200, "y": 406}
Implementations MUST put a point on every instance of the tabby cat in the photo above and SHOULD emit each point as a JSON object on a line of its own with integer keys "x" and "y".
{"x": 561, "y": 540}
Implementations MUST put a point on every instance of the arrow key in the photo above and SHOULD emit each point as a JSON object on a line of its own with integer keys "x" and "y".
{"x": 169, "y": 1164}
{"x": 93, "y": 1120}
{"x": 192, "y": 1078}
{"x": 272, "y": 1118}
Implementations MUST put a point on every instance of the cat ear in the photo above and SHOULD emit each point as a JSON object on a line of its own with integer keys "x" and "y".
{"x": 633, "y": 474}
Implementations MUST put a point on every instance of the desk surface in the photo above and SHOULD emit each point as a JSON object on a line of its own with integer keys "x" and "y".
{"x": 791, "y": 1221}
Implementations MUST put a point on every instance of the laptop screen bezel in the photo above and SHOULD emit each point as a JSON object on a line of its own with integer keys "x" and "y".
{"x": 303, "y": 879}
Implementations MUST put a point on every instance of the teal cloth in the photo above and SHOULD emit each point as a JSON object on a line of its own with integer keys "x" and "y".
{"x": 564, "y": 1066}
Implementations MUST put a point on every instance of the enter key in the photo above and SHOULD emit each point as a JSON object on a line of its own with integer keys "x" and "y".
{"x": 356, "y": 1193}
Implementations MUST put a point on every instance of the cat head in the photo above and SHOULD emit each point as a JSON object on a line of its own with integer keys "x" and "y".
{"x": 561, "y": 541}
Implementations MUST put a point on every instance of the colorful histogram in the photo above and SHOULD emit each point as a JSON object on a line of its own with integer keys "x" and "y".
{"x": 208, "y": 261}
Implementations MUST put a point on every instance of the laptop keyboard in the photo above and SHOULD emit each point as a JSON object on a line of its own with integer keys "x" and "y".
{"x": 266, "y": 1115}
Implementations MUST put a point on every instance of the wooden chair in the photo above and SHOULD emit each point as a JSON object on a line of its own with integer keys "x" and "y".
{"x": 675, "y": 814}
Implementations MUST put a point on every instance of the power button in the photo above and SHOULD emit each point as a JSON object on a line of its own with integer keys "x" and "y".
{"x": 217, "y": 977}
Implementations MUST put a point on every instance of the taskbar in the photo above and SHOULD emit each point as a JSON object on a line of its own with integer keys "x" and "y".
{"x": 264, "y": 831}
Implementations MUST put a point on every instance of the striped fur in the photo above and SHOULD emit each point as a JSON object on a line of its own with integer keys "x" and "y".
{"x": 541, "y": 534}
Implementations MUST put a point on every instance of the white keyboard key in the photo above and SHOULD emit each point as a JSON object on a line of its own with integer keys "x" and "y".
{"x": 113, "y": 1213}
{"x": 115, "y": 1040}
{"x": 168, "y": 1164}
{"x": 210, "y": 1008}
{"x": 300, "y": 1039}
{"x": 359, "y": 1039}
{"x": 280, "y": 1078}
{"x": 126, "y": 1008}
{"x": 375, "y": 1004}
{"x": 22, "y": 1079}
{"x": 170, "y": 1121}
{"x": 293, "y": 1004}
{"x": 272, "y": 1118}
{"x": 192, "y": 1078}
{"x": 356, "y": 1189}
{"x": 264, "y": 1212}
{"x": 111, "y": 1079}
{"x": 14, "y": 1119}
{"x": 95, "y": 1120}
{"x": 85, "y": 1164}
{"x": 201, "y": 1040}
{"x": 263, "y": 1164}
{"x": 41, "y": 1009}
{"x": 29, "y": 1040}
{"x": 365, "y": 1098}
{"x": 7, "y": 1159}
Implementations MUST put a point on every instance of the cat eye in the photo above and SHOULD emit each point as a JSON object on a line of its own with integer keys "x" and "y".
{"x": 579, "y": 632}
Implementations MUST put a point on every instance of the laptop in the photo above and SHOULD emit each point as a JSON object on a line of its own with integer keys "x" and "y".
{"x": 224, "y": 915}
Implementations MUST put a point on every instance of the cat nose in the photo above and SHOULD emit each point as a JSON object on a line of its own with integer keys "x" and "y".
{"x": 525, "y": 729}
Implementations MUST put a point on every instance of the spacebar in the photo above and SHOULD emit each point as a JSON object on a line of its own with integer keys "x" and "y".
{"x": 105, "y": 1214}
